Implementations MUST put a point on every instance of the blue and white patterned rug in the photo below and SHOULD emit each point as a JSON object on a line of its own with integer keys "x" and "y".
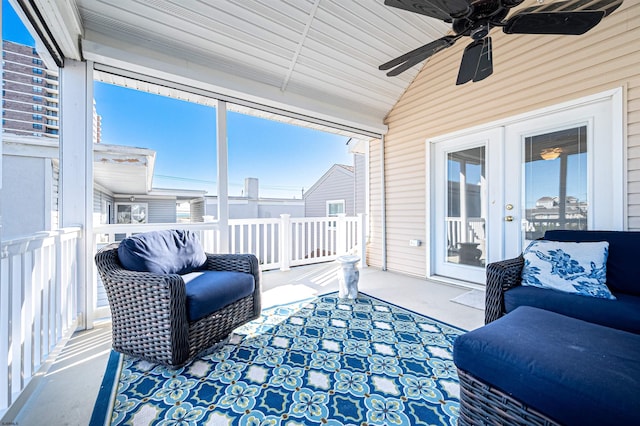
{"x": 324, "y": 360}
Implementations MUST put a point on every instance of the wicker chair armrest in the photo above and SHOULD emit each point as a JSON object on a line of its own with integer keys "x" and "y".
{"x": 244, "y": 262}
{"x": 150, "y": 293}
{"x": 501, "y": 276}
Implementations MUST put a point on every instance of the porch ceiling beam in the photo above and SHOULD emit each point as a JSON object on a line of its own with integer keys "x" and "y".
{"x": 294, "y": 60}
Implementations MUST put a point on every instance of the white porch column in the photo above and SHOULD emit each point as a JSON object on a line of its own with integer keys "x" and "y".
{"x": 76, "y": 174}
{"x": 223, "y": 176}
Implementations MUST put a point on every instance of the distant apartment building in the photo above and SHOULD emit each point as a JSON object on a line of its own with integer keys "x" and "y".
{"x": 30, "y": 104}
{"x": 29, "y": 93}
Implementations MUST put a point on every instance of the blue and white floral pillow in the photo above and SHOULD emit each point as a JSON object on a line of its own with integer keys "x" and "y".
{"x": 567, "y": 266}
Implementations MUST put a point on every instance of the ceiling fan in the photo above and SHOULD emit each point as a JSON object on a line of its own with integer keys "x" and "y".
{"x": 476, "y": 18}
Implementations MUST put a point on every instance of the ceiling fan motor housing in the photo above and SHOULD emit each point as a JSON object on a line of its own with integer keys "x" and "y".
{"x": 483, "y": 15}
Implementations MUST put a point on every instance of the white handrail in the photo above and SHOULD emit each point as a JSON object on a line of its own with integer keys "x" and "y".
{"x": 38, "y": 303}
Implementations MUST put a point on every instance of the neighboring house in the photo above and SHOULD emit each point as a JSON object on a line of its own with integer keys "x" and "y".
{"x": 123, "y": 191}
{"x": 342, "y": 189}
{"x": 332, "y": 194}
{"x": 29, "y": 196}
{"x": 123, "y": 188}
{"x": 247, "y": 206}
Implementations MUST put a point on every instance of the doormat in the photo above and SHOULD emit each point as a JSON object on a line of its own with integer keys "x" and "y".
{"x": 473, "y": 299}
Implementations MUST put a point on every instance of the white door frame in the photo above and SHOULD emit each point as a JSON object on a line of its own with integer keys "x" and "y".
{"x": 618, "y": 196}
{"x": 493, "y": 141}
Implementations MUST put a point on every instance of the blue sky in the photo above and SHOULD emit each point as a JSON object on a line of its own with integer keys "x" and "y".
{"x": 283, "y": 157}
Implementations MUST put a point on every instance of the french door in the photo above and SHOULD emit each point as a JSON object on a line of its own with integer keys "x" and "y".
{"x": 464, "y": 185}
{"x": 494, "y": 190}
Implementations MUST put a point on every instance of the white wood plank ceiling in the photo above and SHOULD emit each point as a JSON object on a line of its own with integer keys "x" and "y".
{"x": 312, "y": 57}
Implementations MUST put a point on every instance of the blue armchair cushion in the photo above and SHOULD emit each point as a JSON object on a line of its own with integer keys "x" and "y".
{"x": 623, "y": 313}
{"x": 573, "y": 371}
{"x": 623, "y": 255}
{"x": 572, "y": 267}
{"x": 209, "y": 291}
{"x": 162, "y": 252}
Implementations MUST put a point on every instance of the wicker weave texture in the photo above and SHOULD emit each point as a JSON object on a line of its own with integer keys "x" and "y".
{"x": 149, "y": 317}
{"x": 501, "y": 276}
{"x": 481, "y": 404}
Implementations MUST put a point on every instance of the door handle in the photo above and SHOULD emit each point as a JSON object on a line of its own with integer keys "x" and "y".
{"x": 508, "y": 219}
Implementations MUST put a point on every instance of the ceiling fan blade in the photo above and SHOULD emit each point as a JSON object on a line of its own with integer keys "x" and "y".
{"x": 561, "y": 23}
{"x": 439, "y": 9}
{"x": 470, "y": 61}
{"x": 485, "y": 63}
{"x": 409, "y": 59}
{"x": 608, "y": 6}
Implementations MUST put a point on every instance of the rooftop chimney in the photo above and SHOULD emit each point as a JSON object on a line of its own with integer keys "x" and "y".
{"x": 251, "y": 188}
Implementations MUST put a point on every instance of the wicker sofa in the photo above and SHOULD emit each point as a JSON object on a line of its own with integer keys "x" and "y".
{"x": 548, "y": 357}
{"x": 171, "y": 306}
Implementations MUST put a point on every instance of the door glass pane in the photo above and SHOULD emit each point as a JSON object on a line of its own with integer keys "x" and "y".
{"x": 466, "y": 207}
{"x": 555, "y": 182}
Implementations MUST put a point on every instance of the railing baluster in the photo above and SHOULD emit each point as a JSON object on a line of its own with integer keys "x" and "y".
{"x": 26, "y": 317}
{"x": 15, "y": 300}
{"x": 37, "y": 306}
{"x": 310, "y": 244}
{"x": 57, "y": 307}
{"x": 274, "y": 228}
{"x": 5, "y": 333}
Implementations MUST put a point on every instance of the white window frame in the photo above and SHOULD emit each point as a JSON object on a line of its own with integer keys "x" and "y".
{"x": 330, "y": 202}
{"x": 332, "y": 224}
{"x": 145, "y": 205}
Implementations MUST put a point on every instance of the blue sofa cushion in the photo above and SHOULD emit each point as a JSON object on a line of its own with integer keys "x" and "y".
{"x": 575, "y": 372}
{"x": 162, "y": 252}
{"x": 578, "y": 268}
{"x": 623, "y": 255}
{"x": 209, "y": 291}
{"x": 623, "y": 313}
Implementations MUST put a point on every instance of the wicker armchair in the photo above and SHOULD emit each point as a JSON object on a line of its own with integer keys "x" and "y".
{"x": 501, "y": 276}
{"x": 149, "y": 311}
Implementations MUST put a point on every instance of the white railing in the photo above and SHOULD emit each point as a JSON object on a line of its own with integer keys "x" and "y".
{"x": 277, "y": 243}
{"x": 258, "y": 236}
{"x": 457, "y": 232}
{"x": 293, "y": 241}
{"x": 38, "y": 303}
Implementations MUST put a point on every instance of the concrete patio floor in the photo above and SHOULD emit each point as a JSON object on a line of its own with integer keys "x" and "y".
{"x": 65, "y": 393}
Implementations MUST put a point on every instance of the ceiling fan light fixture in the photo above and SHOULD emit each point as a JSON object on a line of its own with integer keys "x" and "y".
{"x": 550, "y": 153}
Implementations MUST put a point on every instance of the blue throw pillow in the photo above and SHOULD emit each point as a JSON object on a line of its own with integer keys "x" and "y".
{"x": 162, "y": 252}
{"x": 571, "y": 267}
